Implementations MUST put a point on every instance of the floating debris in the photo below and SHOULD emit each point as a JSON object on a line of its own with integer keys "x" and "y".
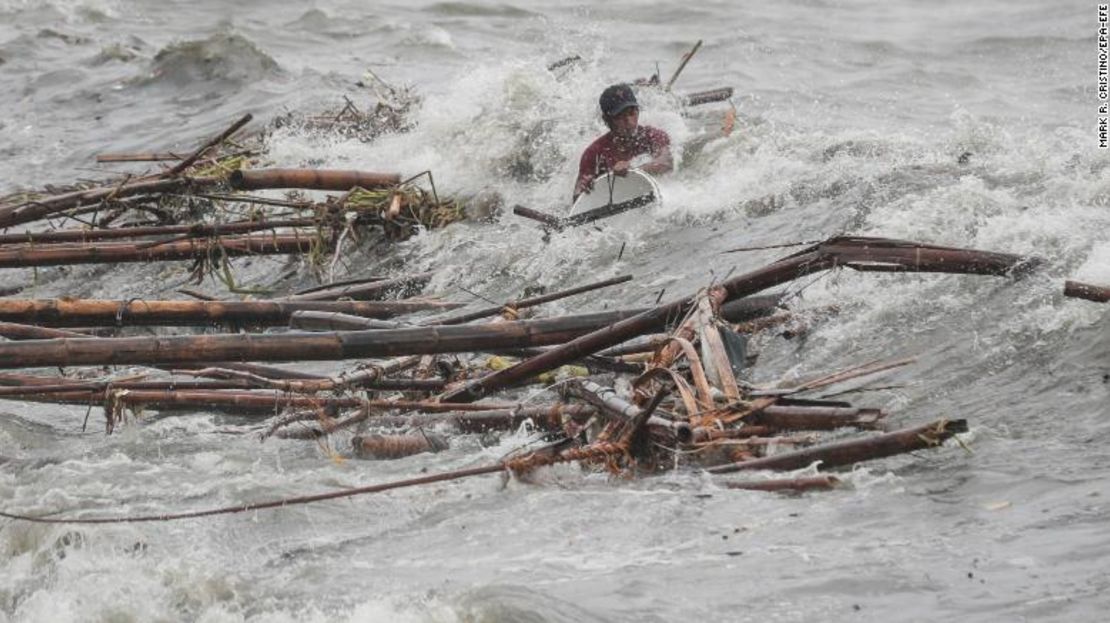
{"x": 632, "y": 391}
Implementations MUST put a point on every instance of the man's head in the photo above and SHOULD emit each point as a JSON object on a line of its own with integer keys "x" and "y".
{"x": 619, "y": 109}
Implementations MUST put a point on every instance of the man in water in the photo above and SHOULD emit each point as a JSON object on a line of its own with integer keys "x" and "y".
{"x": 625, "y": 140}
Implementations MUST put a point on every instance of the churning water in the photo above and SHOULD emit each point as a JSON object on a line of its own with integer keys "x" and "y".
{"x": 852, "y": 118}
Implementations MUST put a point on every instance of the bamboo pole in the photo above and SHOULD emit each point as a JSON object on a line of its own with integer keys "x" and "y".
{"x": 311, "y": 179}
{"x": 298, "y": 346}
{"x": 108, "y": 312}
{"x": 113, "y": 253}
{"x": 1091, "y": 292}
{"x": 197, "y": 230}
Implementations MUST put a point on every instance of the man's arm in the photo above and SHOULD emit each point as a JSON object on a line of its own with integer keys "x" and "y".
{"x": 587, "y": 169}
{"x": 661, "y": 159}
{"x": 661, "y": 162}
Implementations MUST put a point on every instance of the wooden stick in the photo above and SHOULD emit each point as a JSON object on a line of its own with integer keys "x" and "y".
{"x": 685, "y": 59}
{"x": 193, "y": 157}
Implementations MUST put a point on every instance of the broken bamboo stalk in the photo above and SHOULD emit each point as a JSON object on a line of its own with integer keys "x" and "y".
{"x": 311, "y": 179}
{"x": 856, "y": 450}
{"x": 1090, "y": 292}
{"x": 107, "y": 312}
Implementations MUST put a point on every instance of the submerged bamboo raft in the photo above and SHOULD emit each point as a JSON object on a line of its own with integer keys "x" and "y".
{"x": 635, "y": 391}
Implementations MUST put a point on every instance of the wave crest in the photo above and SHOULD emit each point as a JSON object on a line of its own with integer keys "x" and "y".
{"x": 221, "y": 58}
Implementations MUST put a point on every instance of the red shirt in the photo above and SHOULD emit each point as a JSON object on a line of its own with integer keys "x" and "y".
{"x": 606, "y": 151}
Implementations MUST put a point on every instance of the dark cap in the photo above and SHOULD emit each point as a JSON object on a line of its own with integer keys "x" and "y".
{"x": 615, "y": 99}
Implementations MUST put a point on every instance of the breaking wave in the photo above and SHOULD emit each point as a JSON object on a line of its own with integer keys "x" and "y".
{"x": 219, "y": 61}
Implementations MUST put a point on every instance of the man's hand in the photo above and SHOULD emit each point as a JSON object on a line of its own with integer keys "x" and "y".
{"x": 585, "y": 185}
{"x": 661, "y": 162}
{"x": 621, "y": 168}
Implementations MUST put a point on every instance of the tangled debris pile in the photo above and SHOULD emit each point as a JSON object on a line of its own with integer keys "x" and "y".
{"x": 637, "y": 391}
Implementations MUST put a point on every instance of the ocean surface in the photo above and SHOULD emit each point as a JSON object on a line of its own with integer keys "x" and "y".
{"x": 852, "y": 118}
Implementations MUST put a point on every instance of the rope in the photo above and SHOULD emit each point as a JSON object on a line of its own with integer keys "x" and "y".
{"x": 598, "y": 451}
